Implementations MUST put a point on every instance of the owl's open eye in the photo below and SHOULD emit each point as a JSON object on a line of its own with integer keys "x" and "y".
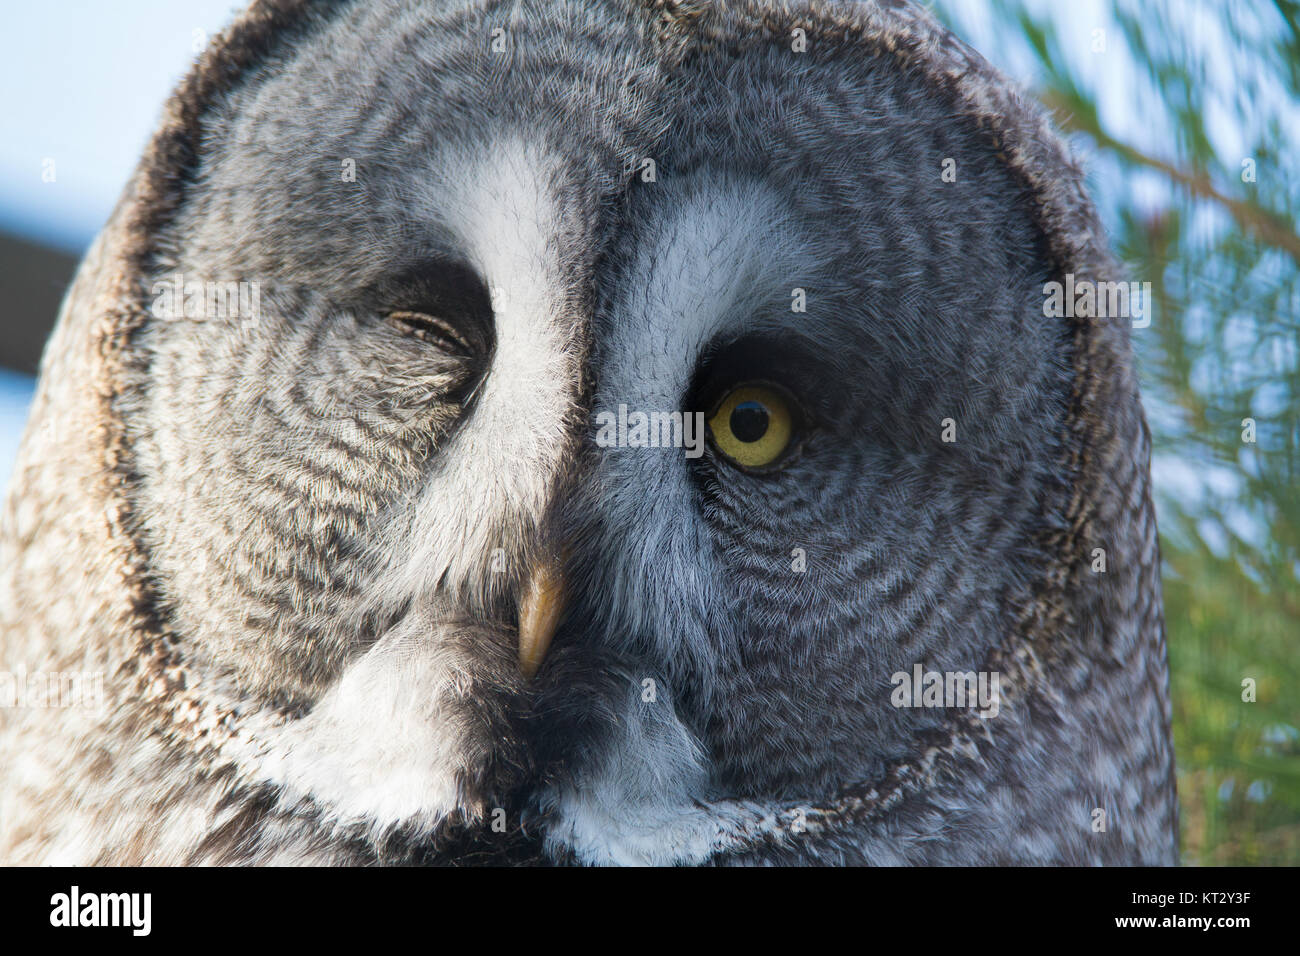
{"x": 755, "y": 425}
{"x": 432, "y": 329}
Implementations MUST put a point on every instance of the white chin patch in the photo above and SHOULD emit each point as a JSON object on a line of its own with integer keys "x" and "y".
{"x": 600, "y": 833}
{"x": 645, "y": 804}
{"x": 387, "y": 744}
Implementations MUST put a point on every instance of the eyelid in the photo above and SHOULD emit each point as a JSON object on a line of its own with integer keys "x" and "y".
{"x": 724, "y": 393}
{"x": 430, "y": 328}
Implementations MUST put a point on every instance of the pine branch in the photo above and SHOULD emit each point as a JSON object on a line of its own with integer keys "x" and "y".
{"x": 1264, "y": 224}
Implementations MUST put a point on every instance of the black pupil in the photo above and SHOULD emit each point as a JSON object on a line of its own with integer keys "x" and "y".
{"x": 749, "y": 421}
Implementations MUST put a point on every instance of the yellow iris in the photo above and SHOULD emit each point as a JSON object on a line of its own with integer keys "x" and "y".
{"x": 753, "y": 425}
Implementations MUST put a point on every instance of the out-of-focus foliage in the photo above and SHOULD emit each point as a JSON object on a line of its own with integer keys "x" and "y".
{"x": 1188, "y": 112}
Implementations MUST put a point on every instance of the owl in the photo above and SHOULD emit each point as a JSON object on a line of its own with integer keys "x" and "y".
{"x": 589, "y": 432}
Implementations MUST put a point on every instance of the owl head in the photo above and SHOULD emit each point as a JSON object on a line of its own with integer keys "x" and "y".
{"x": 580, "y": 431}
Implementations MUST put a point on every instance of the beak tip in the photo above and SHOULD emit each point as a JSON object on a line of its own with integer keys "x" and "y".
{"x": 540, "y": 609}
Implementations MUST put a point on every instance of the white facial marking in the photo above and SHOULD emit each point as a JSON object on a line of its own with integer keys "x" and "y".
{"x": 496, "y": 473}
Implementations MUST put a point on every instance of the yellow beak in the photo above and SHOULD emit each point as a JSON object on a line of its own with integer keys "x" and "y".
{"x": 540, "y": 606}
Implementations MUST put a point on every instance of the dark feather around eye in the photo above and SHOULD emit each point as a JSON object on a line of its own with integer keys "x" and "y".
{"x": 432, "y": 329}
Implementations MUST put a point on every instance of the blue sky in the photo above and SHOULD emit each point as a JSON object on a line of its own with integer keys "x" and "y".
{"x": 84, "y": 82}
